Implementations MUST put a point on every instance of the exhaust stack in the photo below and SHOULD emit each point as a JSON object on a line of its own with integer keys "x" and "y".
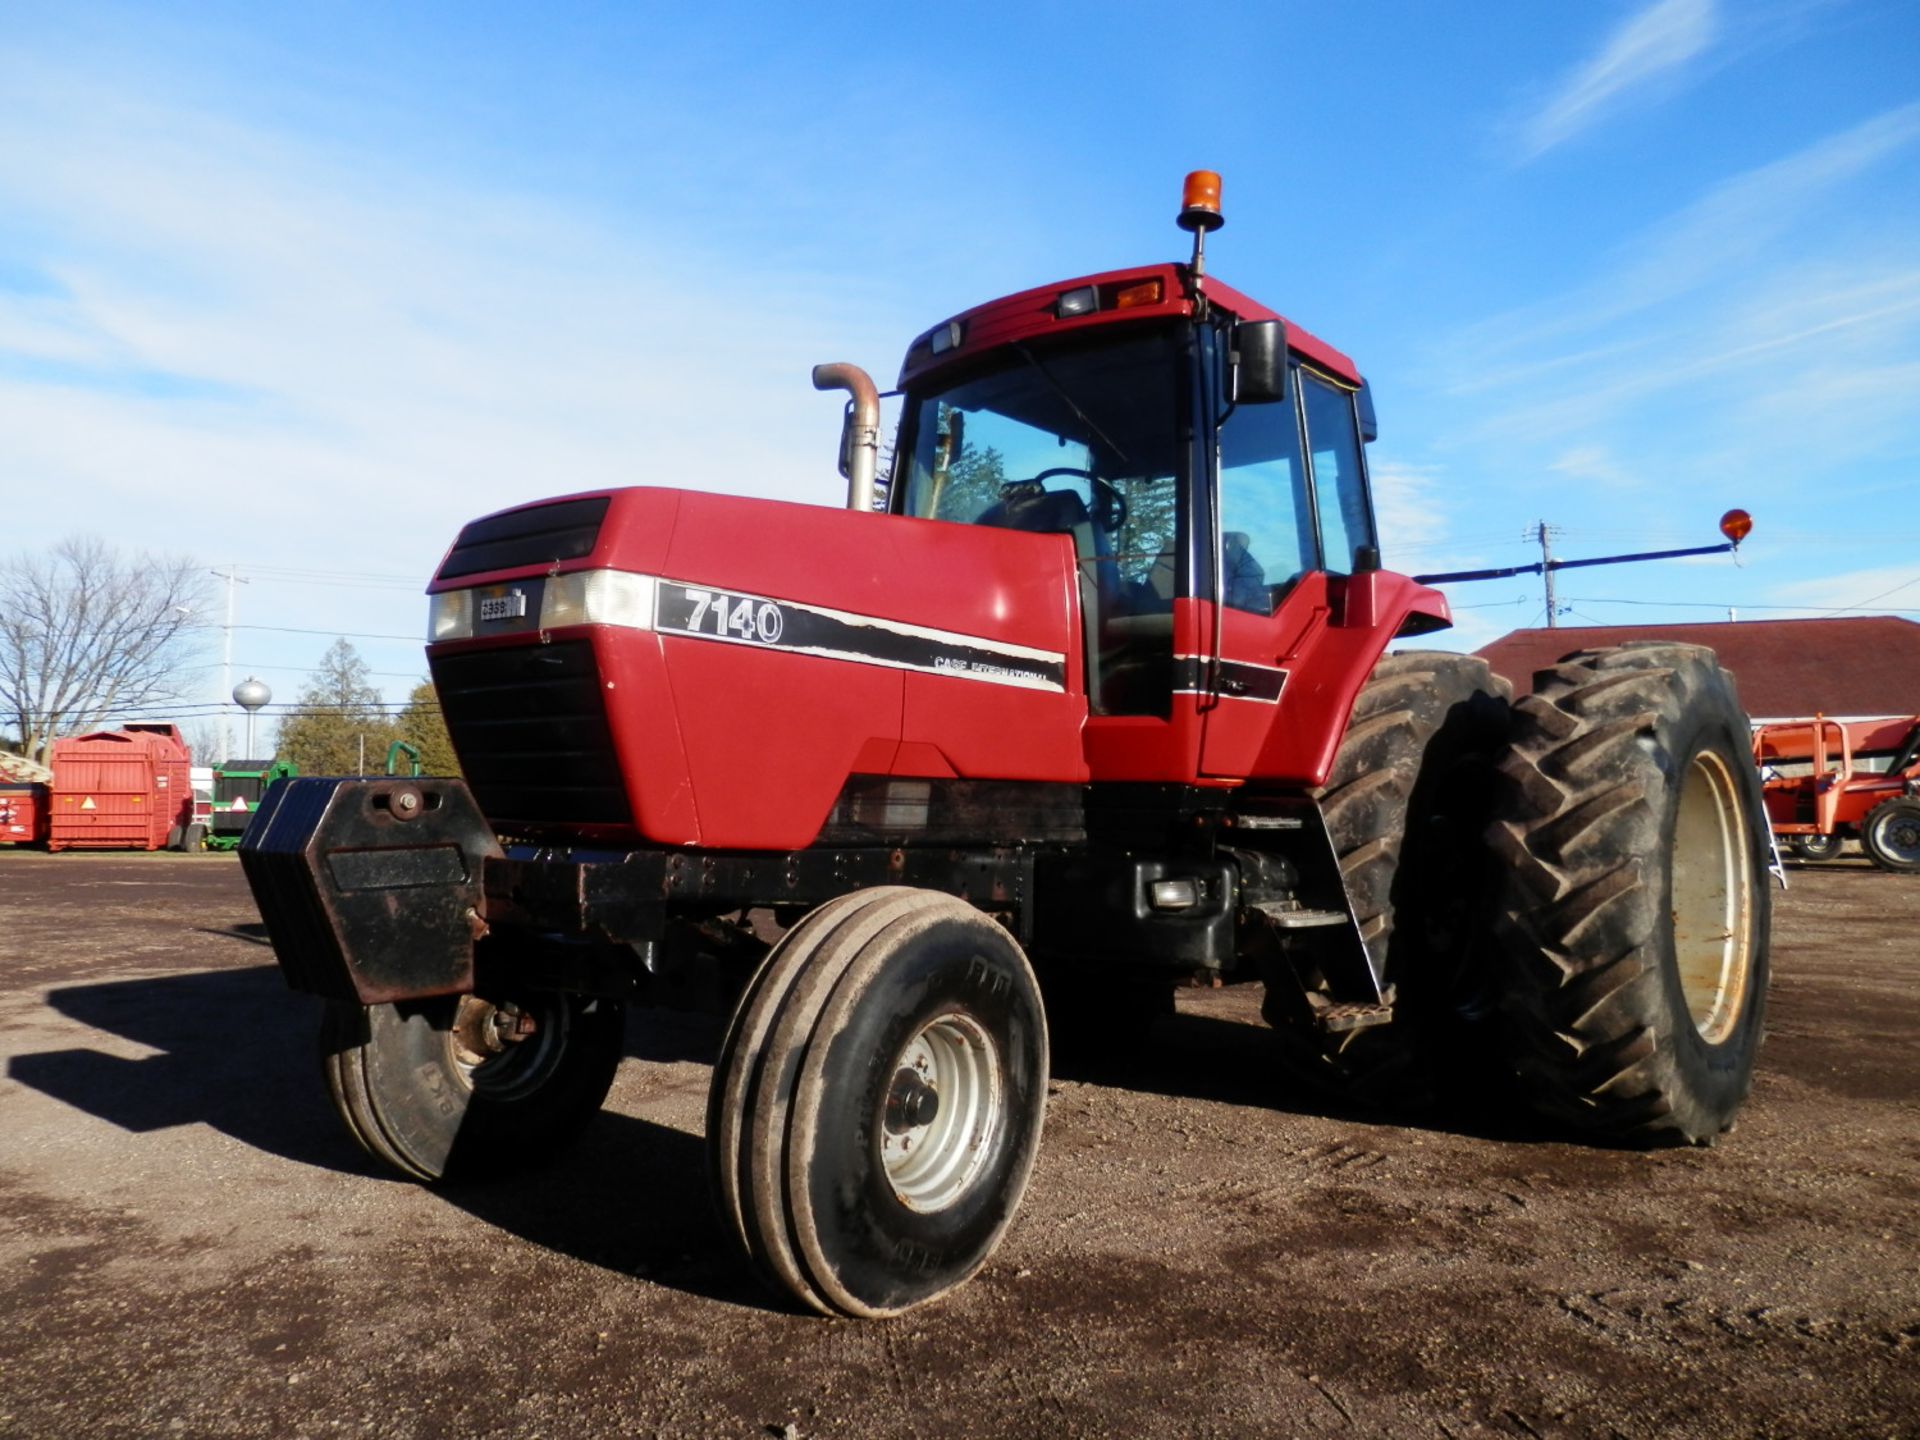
{"x": 860, "y": 436}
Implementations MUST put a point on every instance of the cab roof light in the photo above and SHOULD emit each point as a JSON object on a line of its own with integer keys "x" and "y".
{"x": 1141, "y": 292}
{"x": 1083, "y": 301}
{"x": 946, "y": 337}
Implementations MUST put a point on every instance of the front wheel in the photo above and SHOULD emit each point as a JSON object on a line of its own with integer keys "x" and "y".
{"x": 1635, "y": 910}
{"x": 461, "y": 1087}
{"x": 878, "y": 1100}
{"x": 1891, "y": 836}
{"x": 1815, "y": 847}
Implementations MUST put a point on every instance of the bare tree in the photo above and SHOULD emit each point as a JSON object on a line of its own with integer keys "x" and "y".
{"x": 86, "y": 632}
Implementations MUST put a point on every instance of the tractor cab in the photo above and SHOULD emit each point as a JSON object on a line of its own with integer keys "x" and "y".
{"x": 1207, "y": 460}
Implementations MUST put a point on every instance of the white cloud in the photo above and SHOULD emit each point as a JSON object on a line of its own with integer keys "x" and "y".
{"x": 246, "y": 346}
{"x": 339, "y": 348}
{"x": 1650, "y": 46}
{"x": 1768, "y": 330}
{"x": 1894, "y": 587}
{"x": 1407, "y": 506}
{"x": 1736, "y": 224}
{"x": 1592, "y": 465}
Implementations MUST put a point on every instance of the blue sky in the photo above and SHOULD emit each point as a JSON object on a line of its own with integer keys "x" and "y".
{"x": 302, "y": 288}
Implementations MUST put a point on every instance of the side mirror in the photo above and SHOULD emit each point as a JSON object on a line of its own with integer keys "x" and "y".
{"x": 1259, "y": 362}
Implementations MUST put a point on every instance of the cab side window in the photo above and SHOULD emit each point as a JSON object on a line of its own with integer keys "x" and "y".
{"x": 1334, "y": 441}
{"x": 1266, "y": 520}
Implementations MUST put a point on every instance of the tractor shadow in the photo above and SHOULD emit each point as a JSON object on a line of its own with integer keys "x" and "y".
{"x": 233, "y": 1050}
{"x": 1234, "y": 1061}
{"x": 236, "y": 1051}
{"x": 631, "y": 1195}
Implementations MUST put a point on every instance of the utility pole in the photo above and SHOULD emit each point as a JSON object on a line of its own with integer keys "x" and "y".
{"x": 232, "y": 578}
{"x": 1546, "y": 573}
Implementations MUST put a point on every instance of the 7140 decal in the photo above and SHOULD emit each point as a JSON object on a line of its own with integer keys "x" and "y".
{"x": 720, "y": 614}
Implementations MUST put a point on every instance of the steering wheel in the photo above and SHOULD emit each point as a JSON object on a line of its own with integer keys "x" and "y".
{"x": 1108, "y": 507}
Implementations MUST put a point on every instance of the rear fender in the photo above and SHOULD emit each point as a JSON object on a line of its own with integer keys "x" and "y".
{"x": 1366, "y": 613}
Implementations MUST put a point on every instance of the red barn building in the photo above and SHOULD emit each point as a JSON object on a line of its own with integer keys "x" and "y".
{"x": 1845, "y": 667}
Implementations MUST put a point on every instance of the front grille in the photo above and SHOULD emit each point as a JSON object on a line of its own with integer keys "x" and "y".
{"x": 538, "y": 535}
{"x": 530, "y": 726}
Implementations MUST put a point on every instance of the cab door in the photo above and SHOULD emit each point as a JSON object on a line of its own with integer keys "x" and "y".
{"x": 1294, "y": 523}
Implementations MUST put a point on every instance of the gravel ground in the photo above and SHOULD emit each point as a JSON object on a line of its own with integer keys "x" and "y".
{"x": 190, "y": 1244}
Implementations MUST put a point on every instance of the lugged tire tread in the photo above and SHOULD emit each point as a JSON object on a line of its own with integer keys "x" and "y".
{"x": 1580, "y": 824}
{"x": 1406, "y": 702}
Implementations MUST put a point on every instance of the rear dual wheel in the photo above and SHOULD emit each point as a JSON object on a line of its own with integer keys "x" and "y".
{"x": 1634, "y": 909}
{"x": 877, "y": 1105}
{"x": 461, "y": 1087}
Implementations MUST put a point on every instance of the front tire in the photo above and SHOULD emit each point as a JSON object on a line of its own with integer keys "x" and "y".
{"x": 1816, "y": 847}
{"x": 1891, "y": 836}
{"x": 457, "y": 1087}
{"x": 877, "y": 1105}
{"x": 1635, "y": 915}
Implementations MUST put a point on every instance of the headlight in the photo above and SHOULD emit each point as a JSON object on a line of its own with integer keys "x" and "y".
{"x": 598, "y": 597}
{"x": 449, "y": 616}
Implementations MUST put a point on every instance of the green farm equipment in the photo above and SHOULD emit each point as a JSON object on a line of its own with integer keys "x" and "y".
{"x": 237, "y": 788}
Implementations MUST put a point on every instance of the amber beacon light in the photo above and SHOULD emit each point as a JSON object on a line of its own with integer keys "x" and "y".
{"x": 1200, "y": 201}
{"x": 1736, "y": 525}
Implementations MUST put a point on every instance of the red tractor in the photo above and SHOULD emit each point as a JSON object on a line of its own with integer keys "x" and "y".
{"x": 1820, "y": 793}
{"x": 1094, "y": 695}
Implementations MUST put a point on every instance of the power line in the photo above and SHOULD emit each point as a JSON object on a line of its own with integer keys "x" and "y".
{"x": 305, "y": 669}
{"x": 337, "y": 634}
{"x": 1736, "y": 605}
{"x": 1883, "y": 594}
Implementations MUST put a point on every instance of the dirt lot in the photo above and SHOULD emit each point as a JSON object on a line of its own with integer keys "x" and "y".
{"x": 190, "y": 1245}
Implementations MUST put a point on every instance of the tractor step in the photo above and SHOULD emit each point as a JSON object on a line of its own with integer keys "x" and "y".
{"x": 1336, "y": 1019}
{"x": 1293, "y": 917}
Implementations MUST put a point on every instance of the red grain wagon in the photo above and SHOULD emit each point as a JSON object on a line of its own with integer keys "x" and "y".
{"x": 127, "y": 789}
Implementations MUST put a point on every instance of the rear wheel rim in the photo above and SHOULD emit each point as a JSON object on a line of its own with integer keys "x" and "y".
{"x": 1712, "y": 897}
{"x": 1899, "y": 837}
{"x": 943, "y": 1109}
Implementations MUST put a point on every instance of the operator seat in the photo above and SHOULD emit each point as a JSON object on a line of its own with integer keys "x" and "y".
{"x": 1032, "y": 507}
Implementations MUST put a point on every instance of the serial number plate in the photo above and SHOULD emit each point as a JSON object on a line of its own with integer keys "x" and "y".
{"x": 510, "y": 606}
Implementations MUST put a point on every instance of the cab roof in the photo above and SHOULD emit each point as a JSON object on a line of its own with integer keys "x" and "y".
{"x": 1032, "y": 314}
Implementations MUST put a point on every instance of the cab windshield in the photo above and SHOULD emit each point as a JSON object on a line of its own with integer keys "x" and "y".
{"x": 1082, "y": 433}
{"x": 1083, "y": 437}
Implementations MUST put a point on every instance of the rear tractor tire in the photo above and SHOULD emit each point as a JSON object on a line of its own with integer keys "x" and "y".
{"x": 457, "y": 1087}
{"x": 1635, "y": 915}
{"x": 877, "y": 1105}
{"x": 1405, "y": 806}
{"x": 1891, "y": 835}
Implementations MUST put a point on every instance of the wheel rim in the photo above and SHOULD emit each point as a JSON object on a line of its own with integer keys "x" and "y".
{"x": 1712, "y": 897}
{"x": 1899, "y": 836}
{"x": 504, "y": 1051}
{"x": 941, "y": 1113}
